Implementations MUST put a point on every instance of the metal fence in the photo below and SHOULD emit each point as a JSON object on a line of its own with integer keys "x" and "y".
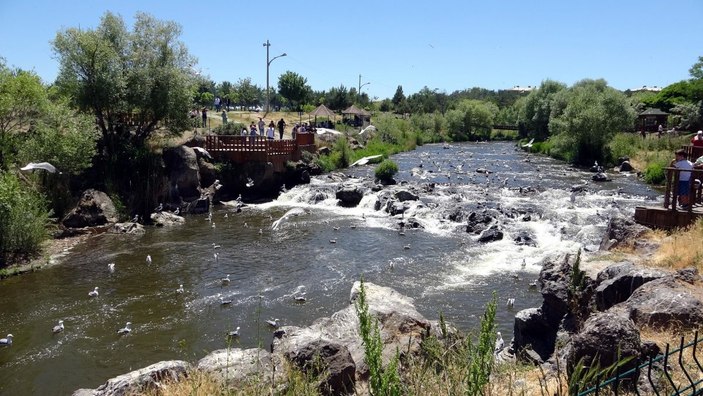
{"x": 675, "y": 372}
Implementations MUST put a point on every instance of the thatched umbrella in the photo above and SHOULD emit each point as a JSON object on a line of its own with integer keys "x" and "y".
{"x": 322, "y": 111}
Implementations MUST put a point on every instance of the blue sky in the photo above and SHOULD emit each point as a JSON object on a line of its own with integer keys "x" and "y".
{"x": 447, "y": 45}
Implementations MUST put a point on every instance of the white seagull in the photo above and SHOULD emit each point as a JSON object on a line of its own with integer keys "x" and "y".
{"x": 40, "y": 165}
{"x": 111, "y": 267}
{"x": 300, "y": 297}
{"x": 226, "y": 280}
{"x": 94, "y": 293}
{"x": 6, "y": 341}
{"x": 272, "y": 322}
{"x": 58, "y": 328}
{"x": 233, "y": 334}
{"x": 511, "y": 302}
{"x": 529, "y": 144}
{"x": 180, "y": 289}
{"x": 292, "y": 212}
{"x": 499, "y": 343}
{"x": 126, "y": 329}
{"x": 148, "y": 259}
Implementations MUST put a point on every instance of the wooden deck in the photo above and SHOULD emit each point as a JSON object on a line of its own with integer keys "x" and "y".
{"x": 244, "y": 149}
{"x": 671, "y": 214}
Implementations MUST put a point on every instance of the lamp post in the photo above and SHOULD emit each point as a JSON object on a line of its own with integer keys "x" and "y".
{"x": 268, "y": 63}
{"x": 362, "y": 85}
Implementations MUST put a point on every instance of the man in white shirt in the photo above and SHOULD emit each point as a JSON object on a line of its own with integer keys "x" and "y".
{"x": 681, "y": 162}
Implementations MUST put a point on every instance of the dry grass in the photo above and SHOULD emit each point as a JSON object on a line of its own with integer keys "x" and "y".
{"x": 681, "y": 249}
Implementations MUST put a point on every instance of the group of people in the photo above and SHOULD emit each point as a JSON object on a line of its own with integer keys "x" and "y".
{"x": 681, "y": 162}
{"x": 261, "y": 129}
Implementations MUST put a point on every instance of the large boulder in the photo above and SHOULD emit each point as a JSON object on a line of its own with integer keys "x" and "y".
{"x": 138, "y": 381}
{"x": 620, "y": 288}
{"x": 401, "y": 326}
{"x": 349, "y": 196}
{"x": 183, "y": 173}
{"x": 606, "y": 337}
{"x": 236, "y": 365}
{"x": 478, "y": 222}
{"x": 532, "y": 331}
{"x": 405, "y": 195}
{"x": 621, "y": 231}
{"x": 166, "y": 219}
{"x": 555, "y": 279}
{"x": 328, "y": 358}
{"x": 491, "y": 234}
{"x": 127, "y": 228}
{"x": 667, "y": 303}
{"x": 94, "y": 208}
{"x": 626, "y": 167}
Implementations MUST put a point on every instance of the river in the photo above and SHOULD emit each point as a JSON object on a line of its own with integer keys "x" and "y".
{"x": 439, "y": 264}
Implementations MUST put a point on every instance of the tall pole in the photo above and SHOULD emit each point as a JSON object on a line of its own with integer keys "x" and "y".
{"x": 358, "y": 92}
{"x": 268, "y": 64}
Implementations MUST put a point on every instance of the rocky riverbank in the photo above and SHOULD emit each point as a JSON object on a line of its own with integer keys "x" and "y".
{"x": 592, "y": 312}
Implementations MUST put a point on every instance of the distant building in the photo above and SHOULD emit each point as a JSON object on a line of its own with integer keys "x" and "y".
{"x": 519, "y": 88}
{"x": 646, "y": 88}
{"x": 650, "y": 119}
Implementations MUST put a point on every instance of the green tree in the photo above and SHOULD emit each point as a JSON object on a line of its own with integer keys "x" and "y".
{"x": 586, "y": 117}
{"x": 132, "y": 82}
{"x": 471, "y": 120}
{"x": 538, "y": 108}
{"x": 696, "y": 70}
{"x": 247, "y": 93}
{"x": 22, "y": 100}
{"x": 293, "y": 87}
{"x": 338, "y": 98}
{"x": 398, "y": 97}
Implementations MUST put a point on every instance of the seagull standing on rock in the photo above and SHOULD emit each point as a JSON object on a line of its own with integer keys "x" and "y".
{"x": 94, "y": 293}
{"x": 499, "y": 343}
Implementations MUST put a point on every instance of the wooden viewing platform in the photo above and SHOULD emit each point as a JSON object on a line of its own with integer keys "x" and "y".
{"x": 671, "y": 214}
{"x": 245, "y": 149}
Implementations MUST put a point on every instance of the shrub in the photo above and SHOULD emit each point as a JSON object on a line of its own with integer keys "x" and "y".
{"x": 654, "y": 173}
{"x": 230, "y": 128}
{"x": 386, "y": 170}
{"x": 23, "y": 220}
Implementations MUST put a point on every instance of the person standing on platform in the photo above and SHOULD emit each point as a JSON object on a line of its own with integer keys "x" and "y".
{"x": 262, "y": 127}
{"x": 685, "y": 165}
{"x": 281, "y": 127}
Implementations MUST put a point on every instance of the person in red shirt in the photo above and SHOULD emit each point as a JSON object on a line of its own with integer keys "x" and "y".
{"x": 698, "y": 139}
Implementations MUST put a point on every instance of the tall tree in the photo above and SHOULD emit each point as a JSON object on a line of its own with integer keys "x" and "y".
{"x": 22, "y": 100}
{"x": 584, "y": 119}
{"x": 538, "y": 108}
{"x": 696, "y": 70}
{"x": 398, "y": 97}
{"x": 247, "y": 93}
{"x": 293, "y": 87}
{"x": 132, "y": 82}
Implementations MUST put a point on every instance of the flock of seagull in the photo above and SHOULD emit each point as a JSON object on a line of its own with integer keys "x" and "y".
{"x": 449, "y": 168}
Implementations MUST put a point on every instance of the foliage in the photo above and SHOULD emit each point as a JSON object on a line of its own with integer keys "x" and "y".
{"x": 481, "y": 355}
{"x": 247, "y": 94}
{"x": 338, "y": 99}
{"x": 23, "y": 219}
{"x": 22, "y": 101}
{"x": 537, "y": 108}
{"x": 386, "y": 170}
{"x": 696, "y": 71}
{"x": 293, "y": 87}
{"x": 230, "y": 128}
{"x": 471, "y": 120}
{"x": 586, "y": 116}
{"x": 382, "y": 380}
{"x": 624, "y": 145}
{"x": 63, "y": 137}
{"x": 132, "y": 82}
{"x": 654, "y": 173}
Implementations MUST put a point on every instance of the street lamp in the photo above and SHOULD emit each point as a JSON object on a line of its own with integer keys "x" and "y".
{"x": 268, "y": 63}
{"x": 362, "y": 85}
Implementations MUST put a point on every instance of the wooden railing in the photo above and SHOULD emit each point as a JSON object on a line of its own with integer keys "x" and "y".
{"x": 695, "y": 190}
{"x": 240, "y": 149}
